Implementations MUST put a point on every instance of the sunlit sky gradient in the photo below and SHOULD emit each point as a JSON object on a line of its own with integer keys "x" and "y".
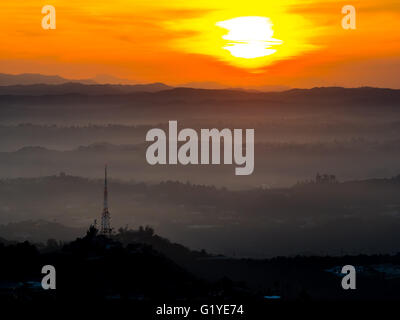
{"x": 175, "y": 42}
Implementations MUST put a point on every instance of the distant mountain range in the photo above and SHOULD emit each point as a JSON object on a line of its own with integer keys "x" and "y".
{"x": 216, "y": 85}
{"x": 36, "y": 89}
{"x": 35, "y": 78}
{"x": 161, "y": 93}
{"x": 104, "y": 79}
{"x": 37, "y": 84}
{"x": 79, "y": 88}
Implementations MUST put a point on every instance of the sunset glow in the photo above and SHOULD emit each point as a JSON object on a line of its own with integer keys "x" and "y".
{"x": 235, "y": 43}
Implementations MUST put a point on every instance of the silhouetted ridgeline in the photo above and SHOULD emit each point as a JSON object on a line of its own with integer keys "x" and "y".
{"x": 96, "y": 268}
{"x": 79, "y": 88}
{"x": 100, "y": 94}
{"x": 35, "y": 78}
{"x": 137, "y": 270}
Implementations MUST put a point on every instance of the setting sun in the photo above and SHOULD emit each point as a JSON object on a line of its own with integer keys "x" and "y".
{"x": 248, "y": 40}
{"x": 249, "y": 37}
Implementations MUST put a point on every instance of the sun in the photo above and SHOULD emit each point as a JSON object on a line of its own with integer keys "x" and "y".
{"x": 243, "y": 39}
{"x": 249, "y": 37}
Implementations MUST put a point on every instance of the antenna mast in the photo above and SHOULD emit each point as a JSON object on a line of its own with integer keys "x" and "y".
{"x": 105, "y": 217}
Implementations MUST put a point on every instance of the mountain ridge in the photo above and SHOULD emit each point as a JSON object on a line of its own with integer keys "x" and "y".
{"x": 37, "y": 78}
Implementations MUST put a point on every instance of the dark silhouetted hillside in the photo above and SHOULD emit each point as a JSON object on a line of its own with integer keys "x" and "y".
{"x": 79, "y": 88}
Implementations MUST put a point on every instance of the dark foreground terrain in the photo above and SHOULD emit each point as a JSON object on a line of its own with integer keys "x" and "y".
{"x": 141, "y": 267}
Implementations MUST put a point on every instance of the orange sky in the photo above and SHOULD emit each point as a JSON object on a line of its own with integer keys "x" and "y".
{"x": 176, "y": 41}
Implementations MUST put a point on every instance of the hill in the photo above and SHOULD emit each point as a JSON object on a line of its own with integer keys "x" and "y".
{"x": 79, "y": 88}
{"x": 36, "y": 78}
